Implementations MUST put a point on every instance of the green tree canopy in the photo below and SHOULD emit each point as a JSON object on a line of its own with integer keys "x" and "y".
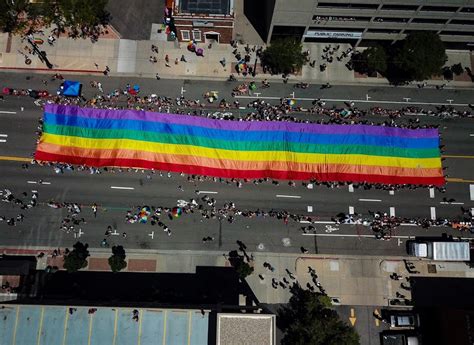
{"x": 117, "y": 260}
{"x": 376, "y": 58}
{"x": 309, "y": 320}
{"x": 242, "y": 267}
{"x": 11, "y": 15}
{"x": 77, "y": 258}
{"x": 284, "y": 56}
{"x": 421, "y": 55}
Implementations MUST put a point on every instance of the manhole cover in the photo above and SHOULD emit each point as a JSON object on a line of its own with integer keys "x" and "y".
{"x": 286, "y": 242}
{"x": 261, "y": 246}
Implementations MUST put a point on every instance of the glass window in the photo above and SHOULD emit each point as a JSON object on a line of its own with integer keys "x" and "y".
{"x": 429, "y": 21}
{"x": 400, "y": 7}
{"x": 185, "y": 35}
{"x": 439, "y": 8}
{"x": 197, "y": 35}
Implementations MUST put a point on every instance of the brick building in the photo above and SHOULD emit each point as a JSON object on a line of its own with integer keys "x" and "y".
{"x": 206, "y": 21}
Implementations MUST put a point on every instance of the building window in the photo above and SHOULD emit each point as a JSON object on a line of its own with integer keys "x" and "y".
{"x": 345, "y": 5}
{"x": 462, "y": 22}
{"x": 429, "y": 21}
{"x": 400, "y": 7}
{"x": 197, "y": 35}
{"x": 439, "y": 8}
{"x": 384, "y": 31}
{"x": 185, "y": 35}
{"x": 390, "y": 19}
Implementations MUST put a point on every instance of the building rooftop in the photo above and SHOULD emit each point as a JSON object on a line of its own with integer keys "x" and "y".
{"x": 205, "y": 6}
{"x": 245, "y": 329}
{"x": 55, "y": 325}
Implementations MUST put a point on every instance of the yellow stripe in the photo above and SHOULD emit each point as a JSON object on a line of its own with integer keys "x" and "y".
{"x": 66, "y": 319}
{"x": 458, "y": 180}
{"x": 14, "y": 159}
{"x": 115, "y": 326}
{"x": 16, "y": 324}
{"x": 40, "y": 328}
{"x": 197, "y": 151}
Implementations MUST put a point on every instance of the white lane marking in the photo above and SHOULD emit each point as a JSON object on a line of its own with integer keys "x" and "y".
{"x": 432, "y": 195}
{"x": 371, "y": 200}
{"x": 4, "y": 135}
{"x": 288, "y": 196}
{"x": 3, "y": 140}
{"x": 206, "y": 192}
{"x": 310, "y": 186}
{"x": 392, "y": 211}
{"x": 433, "y": 213}
{"x": 45, "y": 182}
{"x": 242, "y": 108}
{"x": 451, "y": 203}
{"x": 7, "y": 112}
{"x": 152, "y": 234}
{"x": 353, "y": 235}
{"x": 305, "y": 222}
{"x": 391, "y": 192}
{"x": 351, "y": 209}
{"x": 34, "y": 191}
{"x": 79, "y": 233}
{"x": 471, "y": 135}
{"x": 357, "y": 101}
{"x": 126, "y": 188}
{"x": 32, "y": 182}
{"x": 471, "y": 190}
{"x": 402, "y": 237}
{"x": 324, "y": 222}
{"x": 351, "y": 188}
{"x": 472, "y": 212}
{"x": 310, "y": 208}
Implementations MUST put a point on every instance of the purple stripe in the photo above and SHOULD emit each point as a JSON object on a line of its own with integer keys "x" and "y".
{"x": 240, "y": 125}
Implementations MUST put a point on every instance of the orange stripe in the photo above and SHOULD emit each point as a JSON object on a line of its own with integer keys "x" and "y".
{"x": 238, "y": 165}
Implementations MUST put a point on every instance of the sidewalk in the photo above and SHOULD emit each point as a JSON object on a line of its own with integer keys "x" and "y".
{"x": 131, "y": 58}
{"x": 352, "y": 280}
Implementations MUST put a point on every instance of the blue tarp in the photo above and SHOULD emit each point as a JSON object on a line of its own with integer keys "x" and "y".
{"x": 71, "y": 88}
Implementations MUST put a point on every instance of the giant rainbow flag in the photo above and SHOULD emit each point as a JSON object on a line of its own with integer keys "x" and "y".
{"x": 240, "y": 149}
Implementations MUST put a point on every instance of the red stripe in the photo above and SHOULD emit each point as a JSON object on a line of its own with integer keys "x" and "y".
{"x": 242, "y": 174}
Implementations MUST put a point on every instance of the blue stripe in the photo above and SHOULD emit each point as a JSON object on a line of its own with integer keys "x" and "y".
{"x": 268, "y": 136}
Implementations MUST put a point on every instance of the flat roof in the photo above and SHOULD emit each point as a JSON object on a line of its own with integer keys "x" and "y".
{"x": 245, "y": 329}
{"x": 55, "y": 325}
{"x": 205, "y": 6}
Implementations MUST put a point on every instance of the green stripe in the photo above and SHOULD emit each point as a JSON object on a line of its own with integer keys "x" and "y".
{"x": 239, "y": 146}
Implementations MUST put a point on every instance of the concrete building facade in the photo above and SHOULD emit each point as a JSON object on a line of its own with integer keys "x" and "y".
{"x": 363, "y": 22}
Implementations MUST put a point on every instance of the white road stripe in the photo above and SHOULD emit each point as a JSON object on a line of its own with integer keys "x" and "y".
{"x": 403, "y": 237}
{"x": 472, "y": 212}
{"x": 310, "y": 209}
{"x": 471, "y": 190}
{"x": 356, "y": 101}
{"x": 126, "y": 188}
{"x": 288, "y": 196}
{"x": 471, "y": 135}
{"x": 351, "y": 188}
{"x": 433, "y": 213}
{"x": 432, "y": 195}
{"x": 7, "y": 112}
{"x": 451, "y": 203}
{"x": 3, "y": 141}
{"x": 351, "y": 209}
{"x": 4, "y": 135}
{"x": 45, "y": 182}
{"x": 207, "y": 192}
{"x": 392, "y": 211}
{"x": 391, "y": 192}
{"x": 371, "y": 200}
{"x": 31, "y": 182}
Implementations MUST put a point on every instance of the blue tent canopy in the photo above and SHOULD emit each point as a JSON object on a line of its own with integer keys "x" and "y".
{"x": 71, "y": 88}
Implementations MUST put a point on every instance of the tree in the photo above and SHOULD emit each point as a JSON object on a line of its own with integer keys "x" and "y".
{"x": 78, "y": 15}
{"x": 242, "y": 267}
{"x": 421, "y": 55}
{"x": 13, "y": 15}
{"x": 309, "y": 320}
{"x": 77, "y": 258}
{"x": 117, "y": 260}
{"x": 284, "y": 56}
{"x": 376, "y": 58}
{"x": 457, "y": 69}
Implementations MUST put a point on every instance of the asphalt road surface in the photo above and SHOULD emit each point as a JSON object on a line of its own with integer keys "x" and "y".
{"x": 119, "y": 192}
